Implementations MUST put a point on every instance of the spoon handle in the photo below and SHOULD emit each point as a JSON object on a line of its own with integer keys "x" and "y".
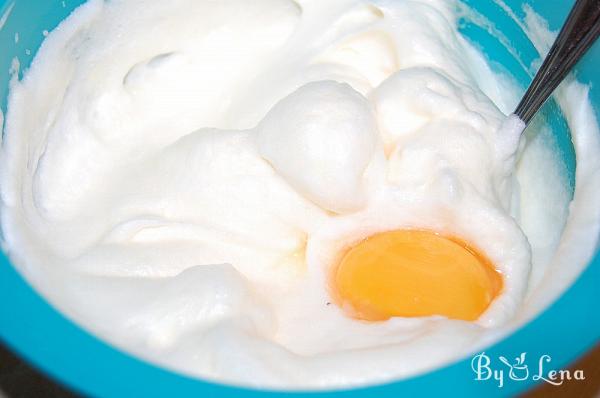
{"x": 577, "y": 35}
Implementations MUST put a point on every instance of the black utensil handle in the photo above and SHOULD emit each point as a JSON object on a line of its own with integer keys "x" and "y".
{"x": 577, "y": 35}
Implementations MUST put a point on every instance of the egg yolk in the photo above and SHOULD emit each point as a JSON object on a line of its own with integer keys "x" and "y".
{"x": 411, "y": 273}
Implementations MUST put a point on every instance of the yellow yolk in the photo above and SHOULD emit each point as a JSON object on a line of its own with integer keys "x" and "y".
{"x": 410, "y": 273}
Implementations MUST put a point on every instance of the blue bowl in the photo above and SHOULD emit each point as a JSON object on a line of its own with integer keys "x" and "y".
{"x": 42, "y": 335}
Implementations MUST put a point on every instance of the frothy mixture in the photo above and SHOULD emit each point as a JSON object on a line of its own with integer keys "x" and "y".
{"x": 181, "y": 178}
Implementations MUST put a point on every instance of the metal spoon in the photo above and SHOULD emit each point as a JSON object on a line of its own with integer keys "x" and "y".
{"x": 577, "y": 35}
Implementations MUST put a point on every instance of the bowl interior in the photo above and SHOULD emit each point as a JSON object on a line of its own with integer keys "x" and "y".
{"x": 50, "y": 341}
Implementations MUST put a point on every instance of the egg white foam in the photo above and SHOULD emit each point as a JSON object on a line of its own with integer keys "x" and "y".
{"x": 179, "y": 177}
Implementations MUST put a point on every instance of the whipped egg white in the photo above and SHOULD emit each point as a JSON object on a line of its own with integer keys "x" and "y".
{"x": 179, "y": 178}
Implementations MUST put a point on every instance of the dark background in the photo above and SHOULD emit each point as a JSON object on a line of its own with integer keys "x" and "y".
{"x": 19, "y": 380}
